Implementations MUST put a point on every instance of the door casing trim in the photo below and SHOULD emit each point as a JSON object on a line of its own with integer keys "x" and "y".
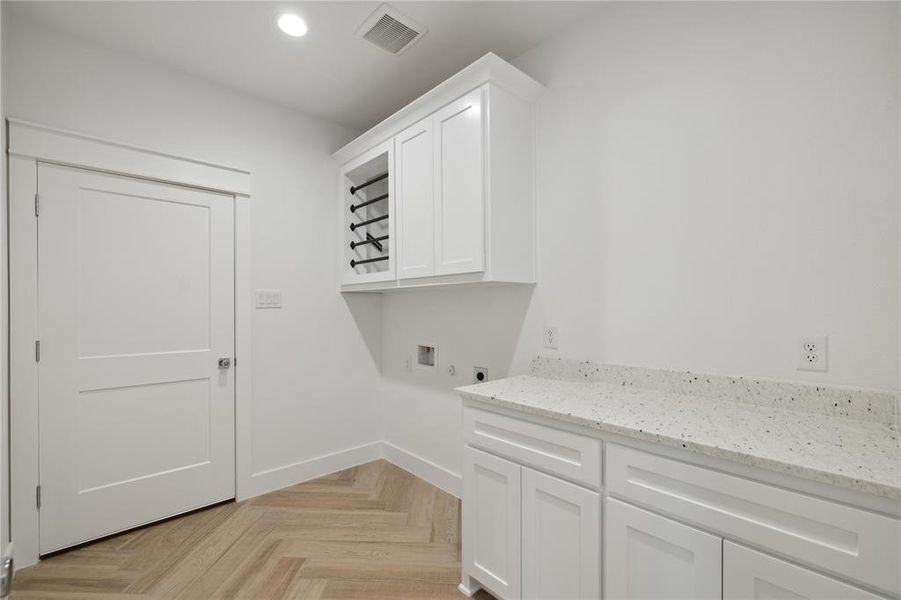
{"x": 27, "y": 145}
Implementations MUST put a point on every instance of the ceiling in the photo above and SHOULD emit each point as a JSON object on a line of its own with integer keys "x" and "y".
{"x": 330, "y": 72}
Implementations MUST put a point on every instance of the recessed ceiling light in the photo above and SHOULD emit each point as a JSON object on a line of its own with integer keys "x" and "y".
{"x": 292, "y": 25}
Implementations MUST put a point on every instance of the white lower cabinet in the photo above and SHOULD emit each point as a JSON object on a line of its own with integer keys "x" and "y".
{"x": 851, "y": 543}
{"x": 537, "y": 534}
{"x": 492, "y": 496}
{"x": 527, "y": 534}
{"x": 560, "y": 539}
{"x": 649, "y": 557}
{"x": 748, "y": 574}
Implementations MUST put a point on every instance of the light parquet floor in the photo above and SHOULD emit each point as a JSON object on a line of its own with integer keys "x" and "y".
{"x": 373, "y": 531}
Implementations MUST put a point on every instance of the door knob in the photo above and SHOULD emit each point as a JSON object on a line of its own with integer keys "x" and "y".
{"x": 225, "y": 363}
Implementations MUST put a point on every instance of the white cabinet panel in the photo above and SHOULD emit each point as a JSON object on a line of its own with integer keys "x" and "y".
{"x": 561, "y": 539}
{"x": 846, "y": 541}
{"x": 748, "y": 574}
{"x": 459, "y": 186}
{"x": 569, "y": 455}
{"x": 649, "y": 557}
{"x": 491, "y": 522}
{"x": 415, "y": 190}
{"x": 461, "y": 198}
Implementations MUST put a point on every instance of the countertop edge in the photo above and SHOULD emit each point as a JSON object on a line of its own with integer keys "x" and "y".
{"x": 752, "y": 460}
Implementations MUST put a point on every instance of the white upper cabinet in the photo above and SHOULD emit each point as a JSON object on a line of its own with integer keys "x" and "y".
{"x": 415, "y": 201}
{"x": 461, "y": 185}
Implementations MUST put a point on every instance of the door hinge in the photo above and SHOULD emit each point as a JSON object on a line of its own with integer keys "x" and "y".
{"x": 37, "y": 496}
{"x": 37, "y": 205}
{"x": 37, "y": 351}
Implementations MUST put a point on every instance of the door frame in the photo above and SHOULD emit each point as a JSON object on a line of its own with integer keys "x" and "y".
{"x": 27, "y": 145}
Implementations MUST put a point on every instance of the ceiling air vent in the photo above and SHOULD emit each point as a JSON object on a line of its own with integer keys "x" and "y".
{"x": 391, "y": 30}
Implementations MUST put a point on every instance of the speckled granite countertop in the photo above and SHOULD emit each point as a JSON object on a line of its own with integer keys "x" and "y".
{"x": 855, "y": 453}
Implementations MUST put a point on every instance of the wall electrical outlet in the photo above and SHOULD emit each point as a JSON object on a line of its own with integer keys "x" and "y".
{"x": 268, "y": 298}
{"x": 813, "y": 353}
{"x": 550, "y": 337}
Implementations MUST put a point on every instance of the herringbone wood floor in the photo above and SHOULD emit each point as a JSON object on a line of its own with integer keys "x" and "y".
{"x": 374, "y": 532}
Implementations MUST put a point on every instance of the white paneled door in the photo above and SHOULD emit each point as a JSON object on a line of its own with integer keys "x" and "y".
{"x": 136, "y": 307}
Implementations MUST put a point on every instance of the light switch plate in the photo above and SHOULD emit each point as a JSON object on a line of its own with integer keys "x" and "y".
{"x": 268, "y": 298}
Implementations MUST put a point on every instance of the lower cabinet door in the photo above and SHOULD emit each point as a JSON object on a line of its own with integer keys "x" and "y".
{"x": 750, "y": 574}
{"x": 561, "y": 539}
{"x": 650, "y": 557}
{"x": 491, "y": 522}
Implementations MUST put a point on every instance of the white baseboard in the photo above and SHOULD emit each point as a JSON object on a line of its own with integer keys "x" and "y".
{"x": 299, "y": 472}
{"x": 438, "y": 476}
{"x": 278, "y": 478}
{"x": 288, "y": 475}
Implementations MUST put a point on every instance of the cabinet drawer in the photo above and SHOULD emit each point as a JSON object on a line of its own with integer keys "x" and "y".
{"x": 566, "y": 454}
{"x": 846, "y": 541}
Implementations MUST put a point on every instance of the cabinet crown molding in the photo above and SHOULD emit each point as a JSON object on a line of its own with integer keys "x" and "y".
{"x": 489, "y": 68}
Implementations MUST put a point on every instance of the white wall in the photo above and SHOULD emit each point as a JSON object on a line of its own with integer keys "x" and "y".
{"x": 714, "y": 181}
{"x": 4, "y": 331}
{"x": 315, "y": 360}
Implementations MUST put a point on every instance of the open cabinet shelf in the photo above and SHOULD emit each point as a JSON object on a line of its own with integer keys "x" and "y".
{"x": 367, "y": 224}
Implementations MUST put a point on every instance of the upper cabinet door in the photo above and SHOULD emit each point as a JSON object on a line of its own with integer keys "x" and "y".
{"x": 561, "y": 539}
{"x": 415, "y": 203}
{"x": 459, "y": 186}
{"x": 650, "y": 557}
